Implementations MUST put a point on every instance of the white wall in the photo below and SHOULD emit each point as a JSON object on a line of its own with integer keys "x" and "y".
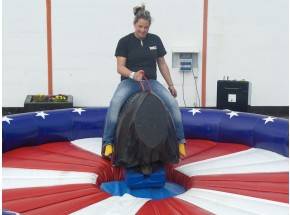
{"x": 246, "y": 39}
{"x": 249, "y": 39}
{"x": 24, "y": 51}
{"x": 85, "y": 34}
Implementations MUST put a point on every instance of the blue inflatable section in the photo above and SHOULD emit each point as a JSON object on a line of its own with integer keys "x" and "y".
{"x": 119, "y": 188}
{"x": 217, "y": 125}
{"x": 153, "y": 186}
{"x": 60, "y": 125}
{"x": 136, "y": 180}
{"x": 245, "y": 128}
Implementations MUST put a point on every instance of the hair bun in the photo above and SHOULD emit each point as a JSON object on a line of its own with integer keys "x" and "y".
{"x": 138, "y": 8}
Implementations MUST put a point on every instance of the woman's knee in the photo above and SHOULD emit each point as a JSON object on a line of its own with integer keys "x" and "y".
{"x": 168, "y": 99}
{"x": 116, "y": 102}
{"x": 173, "y": 105}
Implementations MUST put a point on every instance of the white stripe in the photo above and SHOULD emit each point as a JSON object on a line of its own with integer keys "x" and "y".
{"x": 228, "y": 204}
{"x": 115, "y": 205}
{"x": 93, "y": 145}
{"x": 249, "y": 161}
{"x": 20, "y": 178}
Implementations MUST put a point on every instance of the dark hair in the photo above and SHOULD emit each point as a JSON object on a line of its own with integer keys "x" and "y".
{"x": 141, "y": 13}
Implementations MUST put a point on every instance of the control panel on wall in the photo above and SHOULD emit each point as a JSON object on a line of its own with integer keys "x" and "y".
{"x": 184, "y": 61}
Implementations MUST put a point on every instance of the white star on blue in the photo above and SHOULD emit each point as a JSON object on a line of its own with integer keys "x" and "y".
{"x": 269, "y": 119}
{"x": 79, "y": 110}
{"x": 232, "y": 113}
{"x": 6, "y": 119}
{"x": 194, "y": 111}
{"x": 41, "y": 114}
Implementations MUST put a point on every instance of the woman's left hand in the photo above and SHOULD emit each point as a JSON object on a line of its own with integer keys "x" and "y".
{"x": 172, "y": 91}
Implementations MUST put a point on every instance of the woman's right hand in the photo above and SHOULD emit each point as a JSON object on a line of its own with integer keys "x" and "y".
{"x": 138, "y": 76}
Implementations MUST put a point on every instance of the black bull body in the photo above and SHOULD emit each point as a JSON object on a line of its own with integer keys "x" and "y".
{"x": 145, "y": 133}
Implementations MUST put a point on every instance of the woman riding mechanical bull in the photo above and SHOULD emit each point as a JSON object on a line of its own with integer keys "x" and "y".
{"x": 137, "y": 55}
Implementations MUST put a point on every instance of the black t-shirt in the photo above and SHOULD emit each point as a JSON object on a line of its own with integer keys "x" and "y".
{"x": 141, "y": 54}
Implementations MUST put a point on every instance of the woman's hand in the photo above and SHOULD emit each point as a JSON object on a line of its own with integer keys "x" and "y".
{"x": 172, "y": 91}
{"x": 138, "y": 76}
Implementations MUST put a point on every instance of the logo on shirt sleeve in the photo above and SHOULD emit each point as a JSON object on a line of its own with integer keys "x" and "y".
{"x": 152, "y": 47}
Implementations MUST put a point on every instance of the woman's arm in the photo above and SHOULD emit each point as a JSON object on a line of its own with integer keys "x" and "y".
{"x": 124, "y": 71}
{"x": 162, "y": 65}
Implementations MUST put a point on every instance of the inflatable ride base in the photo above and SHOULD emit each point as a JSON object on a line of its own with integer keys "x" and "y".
{"x": 153, "y": 186}
{"x": 235, "y": 163}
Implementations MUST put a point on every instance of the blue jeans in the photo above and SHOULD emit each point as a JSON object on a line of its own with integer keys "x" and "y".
{"x": 126, "y": 89}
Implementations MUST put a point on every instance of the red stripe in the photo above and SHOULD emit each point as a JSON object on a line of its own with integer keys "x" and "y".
{"x": 60, "y": 148}
{"x": 21, "y": 193}
{"x": 60, "y": 152}
{"x": 197, "y": 150}
{"x": 171, "y": 206}
{"x": 270, "y": 186}
{"x": 278, "y": 197}
{"x": 72, "y": 156}
{"x": 278, "y": 177}
{"x": 67, "y": 207}
{"x": 46, "y": 165}
{"x": 40, "y": 199}
{"x": 62, "y": 156}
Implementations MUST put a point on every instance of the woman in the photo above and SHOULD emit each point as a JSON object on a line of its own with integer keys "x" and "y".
{"x": 137, "y": 55}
